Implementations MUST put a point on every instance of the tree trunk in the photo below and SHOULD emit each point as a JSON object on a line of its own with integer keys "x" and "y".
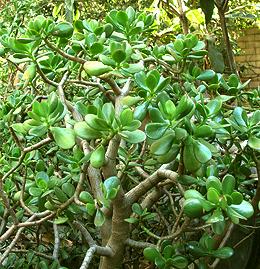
{"x": 119, "y": 233}
{"x": 230, "y": 55}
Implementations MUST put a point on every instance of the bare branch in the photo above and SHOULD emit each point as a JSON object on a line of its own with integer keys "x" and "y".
{"x": 62, "y": 53}
{"x": 138, "y": 244}
{"x": 142, "y": 188}
{"x": 55, "y": 254}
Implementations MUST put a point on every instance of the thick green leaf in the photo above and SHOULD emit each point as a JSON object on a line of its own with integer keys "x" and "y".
{"x": 206, "y": 75}
{"x": 163, "y": 145}
{"x": 133, "y": 137}
{"x": 83, "y": 130}
{"x": 213, "y": 195}
{"x": 223, "y": 253}
{"x": 97, "y": 158}
{"x": 63, "y": 29}
{"x": 254, "y": 142}
{"x": 201, "y": 152}
{"x": 64, "y": 137}
{"x": 214, "y": 182}
{"x": 245, "y": 209}
{"x": 99, "y": 218}
{"x": 151, "y": 254}
{"x": 192, "y": 208}
{"x": 228, "y": 184}
{"x": 61, "y": 220}
{"x": 156, "y": 130}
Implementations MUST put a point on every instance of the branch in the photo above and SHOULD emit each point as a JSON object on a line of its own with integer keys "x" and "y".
{"x": 62, "y": 53}
{"x": 112, "y": 84}
{"x": 89, "y": 255}
{"x": 45, "y": 79}
{"x": 102, "y": 251}
{"x": 142, "y": 188}
{"x": 55, "y": 254}
{"x": 138, "y": 244}
{"x": 256, "y": 198}
{"x": 222, "y": 244}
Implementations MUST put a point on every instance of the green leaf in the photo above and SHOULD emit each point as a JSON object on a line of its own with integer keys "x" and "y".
{"x": 193, "y": 194}
{"x": 86, "y": 197}
{"x": 192, "y": 207}
{"x": 228, "y": 184}
{"x": 214, "y": 106}
{"x": 62, "y": 197}
{"x": 91, "y": 209}
{"x": 108, "y": 111}
{"x": 237, "y": 197}
{"x": 131, "y": 100}
{"x": 178, "y": 45}
{"x": 151, "y": 254}
{"x": 126, "y": 117}
{"x": 95, "y": 68}
{"x": 233, "y": 80}
{"x": 203, "y": 131}
{"x": 254, "y": 142}
{"x": 68, "y": 188}
{"x": 97, "y": 158}
{"x": 61, "y": 220}
{"x": 201, "y": 152}
{"x": 212, "y": 195}
{"x": 63, "y": 29}
{"x": 83, "y": 130}
{"x": 99, "y": 218}
{"x": 223, "y": 253}
{"x": 64, "y": 137}
{"x": 216, "y": 216}
{"x": 180, "y": 262}
{"x": 245, "y": 209}
{"x": 214, "y": 182}
{"x": 119, "y": 56}
{"x": 137, "y": 209}
{"x": 96, "y": 123}
{"x": 156, "y": 130}
{"x": 163, "y": 145}
{"x": 122, "y": 18}
{"x": 96, "y": 48}
{"x": 133, "y": 137}
{"x": 111, "y": 186}
{"x": 206, "y": 75}
{"x": 34, "y": 191}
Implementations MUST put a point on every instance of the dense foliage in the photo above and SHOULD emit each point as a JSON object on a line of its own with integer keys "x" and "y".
{"x": 113, "y": 142}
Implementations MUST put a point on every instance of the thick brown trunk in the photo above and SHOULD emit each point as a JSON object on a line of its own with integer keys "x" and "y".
{"x": 119, "y": 233}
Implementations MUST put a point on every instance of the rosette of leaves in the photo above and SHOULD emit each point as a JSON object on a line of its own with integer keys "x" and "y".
{"x": 206, "y": 248}
{"x": 222, "y": 200}
{"x": 102, "y": 123}
{"x": 129, "y": 24}
{"x": 185, "y": 47}
{"x": 44, "y": 115}
{"x": 168, "y": 257}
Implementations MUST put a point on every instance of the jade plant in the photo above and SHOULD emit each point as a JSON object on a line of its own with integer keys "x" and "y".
{"x": 113, "y": 142}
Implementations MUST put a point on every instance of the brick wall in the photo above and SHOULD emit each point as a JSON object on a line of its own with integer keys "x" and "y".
{"x": 249, "y": 60}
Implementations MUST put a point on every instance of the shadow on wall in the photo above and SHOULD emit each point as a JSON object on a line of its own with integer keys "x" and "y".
{"x": 249, "y": 60}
